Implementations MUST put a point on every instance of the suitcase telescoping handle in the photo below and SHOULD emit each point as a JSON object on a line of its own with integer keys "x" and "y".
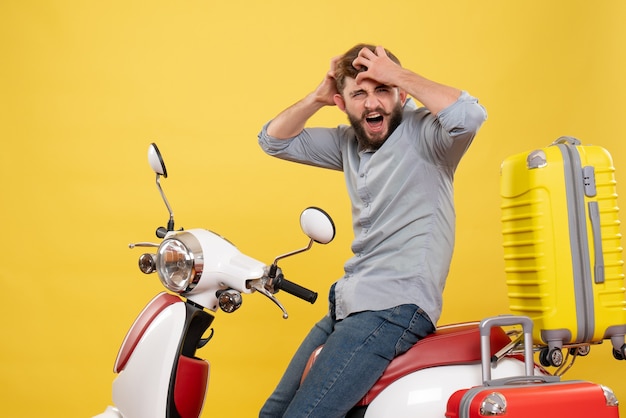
{"x": 570, "y": 140}
{"x": 503, "y": 321}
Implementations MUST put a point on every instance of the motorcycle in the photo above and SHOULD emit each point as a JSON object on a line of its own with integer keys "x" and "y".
{"x": 159, "y": 374}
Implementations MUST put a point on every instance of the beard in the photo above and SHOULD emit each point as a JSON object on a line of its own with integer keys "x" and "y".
{"x": 375, "y": 141}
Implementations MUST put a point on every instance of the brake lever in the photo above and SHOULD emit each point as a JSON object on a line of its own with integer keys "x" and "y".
{"x": 259, "y": 286}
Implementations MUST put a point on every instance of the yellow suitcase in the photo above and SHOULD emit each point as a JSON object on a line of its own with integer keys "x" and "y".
{"x": 562, "y": 246}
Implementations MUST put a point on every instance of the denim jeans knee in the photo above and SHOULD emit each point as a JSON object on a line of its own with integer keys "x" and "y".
{"x": 279, "y": 401}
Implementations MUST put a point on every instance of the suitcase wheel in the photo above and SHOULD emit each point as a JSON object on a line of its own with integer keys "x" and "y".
{"x": 621, "y": 353}
{"x": 551, "y": 357}
{"x": 582, "y": 350}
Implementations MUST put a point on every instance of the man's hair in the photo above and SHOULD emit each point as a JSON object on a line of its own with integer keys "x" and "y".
{"x": 344, "y": 66}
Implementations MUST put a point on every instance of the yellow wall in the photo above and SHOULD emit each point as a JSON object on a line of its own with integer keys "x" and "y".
{"x": 86, "y": 85}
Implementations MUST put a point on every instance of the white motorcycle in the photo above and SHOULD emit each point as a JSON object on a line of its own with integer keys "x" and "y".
{"x": 159, "y": 374}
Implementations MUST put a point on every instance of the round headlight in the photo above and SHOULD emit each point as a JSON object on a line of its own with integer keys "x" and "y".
{"x": 179, "y": 263}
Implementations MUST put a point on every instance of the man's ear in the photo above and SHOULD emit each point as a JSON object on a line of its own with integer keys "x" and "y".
{"x": 341, "y": 104}
{"x": 403, "y": 97}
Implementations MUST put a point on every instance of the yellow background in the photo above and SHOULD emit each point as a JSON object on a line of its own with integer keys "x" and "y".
{"x": 86, "y": 85}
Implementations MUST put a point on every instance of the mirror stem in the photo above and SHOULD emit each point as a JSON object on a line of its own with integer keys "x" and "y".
{"x": 280, "y": 257}
{"x": 170, "y": 223}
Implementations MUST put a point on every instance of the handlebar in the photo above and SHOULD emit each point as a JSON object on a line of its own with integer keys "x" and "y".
{"x": 294, "y": 289}
{"x": 274, "y": 281}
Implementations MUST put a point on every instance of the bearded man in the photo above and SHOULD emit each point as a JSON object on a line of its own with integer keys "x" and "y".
{"x": 398, "y": 160}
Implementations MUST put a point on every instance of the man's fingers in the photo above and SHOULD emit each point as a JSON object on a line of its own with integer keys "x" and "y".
{"x": 333, "y": 66}
{"x": 380, "y": 51}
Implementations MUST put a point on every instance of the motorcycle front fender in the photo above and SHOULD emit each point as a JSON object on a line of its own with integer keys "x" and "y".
{"x": 141, "y": 387}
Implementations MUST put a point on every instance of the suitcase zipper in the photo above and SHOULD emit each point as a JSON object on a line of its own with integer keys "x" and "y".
{"x": 581, "y": 266}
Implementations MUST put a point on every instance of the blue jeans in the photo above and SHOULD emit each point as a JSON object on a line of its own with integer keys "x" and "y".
{"x": 356, "y": 351}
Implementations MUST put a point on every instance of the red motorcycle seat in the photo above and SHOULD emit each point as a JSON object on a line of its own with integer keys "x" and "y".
{"x": 449, "y": 345}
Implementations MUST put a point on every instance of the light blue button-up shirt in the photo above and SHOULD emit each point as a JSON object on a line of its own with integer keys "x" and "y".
{"x": 402, "y": 203}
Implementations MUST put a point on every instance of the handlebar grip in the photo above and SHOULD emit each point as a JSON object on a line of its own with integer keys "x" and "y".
{"x": 297, "y": 290}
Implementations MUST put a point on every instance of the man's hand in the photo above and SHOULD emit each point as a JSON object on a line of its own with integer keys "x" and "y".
{"x": 291, "y": 121}
{"x": 380, "y": 68}
{"x": 377, "y": 66}
{"x": 325, "y": 92}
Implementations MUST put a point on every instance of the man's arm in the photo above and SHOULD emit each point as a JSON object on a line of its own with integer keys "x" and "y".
{"x": 382, "y": 69}
{"x": 291, "y": 121}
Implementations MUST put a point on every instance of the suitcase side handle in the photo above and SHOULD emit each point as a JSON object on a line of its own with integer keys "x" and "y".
{"x": 485, "y": 341}
{"x": 594, "y": 217}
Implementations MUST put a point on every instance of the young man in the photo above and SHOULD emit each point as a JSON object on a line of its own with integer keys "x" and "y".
{"x": 398, "y": 161}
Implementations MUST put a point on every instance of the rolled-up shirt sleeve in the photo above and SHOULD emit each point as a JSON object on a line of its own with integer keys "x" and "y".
{"x": 447, "y": 136}
{"x": 463, "y": 117}
{"x": 320, "y": 147}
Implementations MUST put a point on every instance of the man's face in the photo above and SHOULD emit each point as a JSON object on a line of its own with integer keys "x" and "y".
{"x": 374, "y": 110}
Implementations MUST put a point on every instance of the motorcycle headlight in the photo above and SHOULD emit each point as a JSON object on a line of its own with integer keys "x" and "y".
{"x": 179, "y": 262}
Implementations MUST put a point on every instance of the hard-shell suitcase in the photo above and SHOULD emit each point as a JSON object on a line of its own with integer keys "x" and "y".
{"x": 530, "y": 395}
{"x": 562, "y": 250}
